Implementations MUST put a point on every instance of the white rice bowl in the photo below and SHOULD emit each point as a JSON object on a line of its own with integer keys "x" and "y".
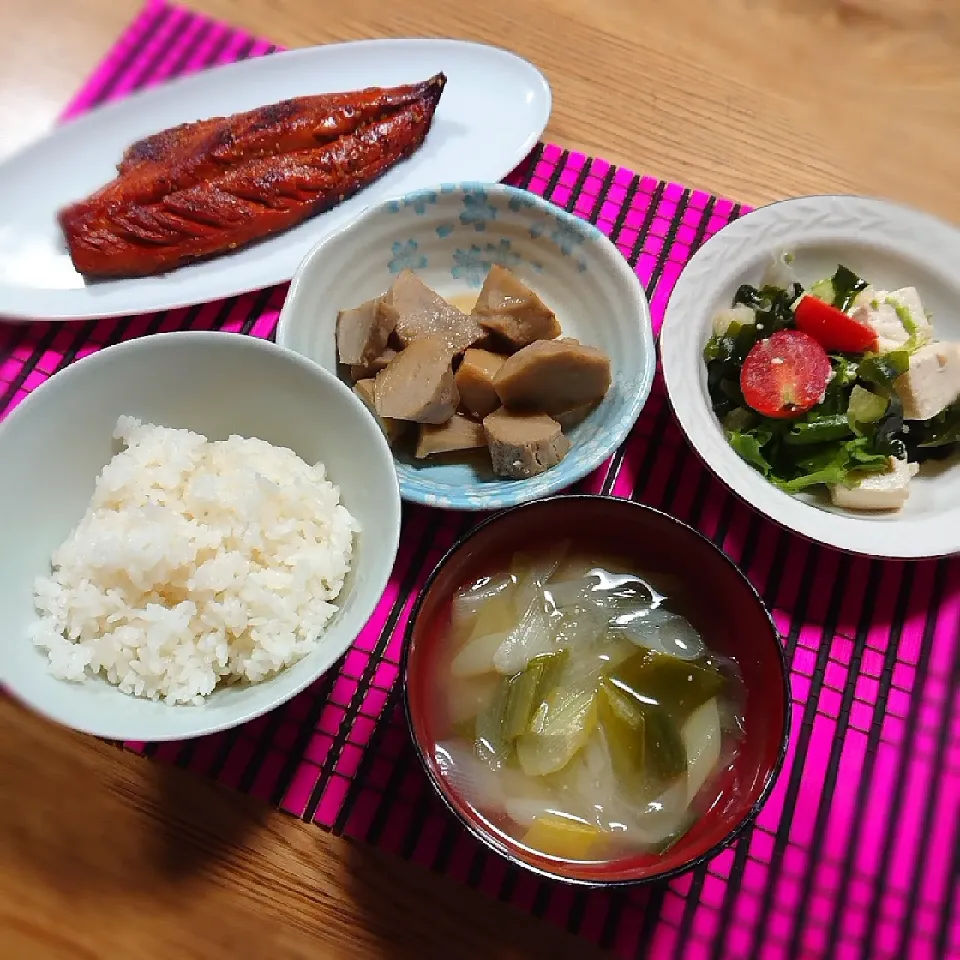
{"x": 197, "y": 564}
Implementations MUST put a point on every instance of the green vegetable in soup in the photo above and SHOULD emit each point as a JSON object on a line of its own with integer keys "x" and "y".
{"x": 560, "y": 728}
{"x": 491, "y": 742}
{"x": 660, "y": 680}
{"x": 525, "y": 692}
{"x": 644, "y": 741}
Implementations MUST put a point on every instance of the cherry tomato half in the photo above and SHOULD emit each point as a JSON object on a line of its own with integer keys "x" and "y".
{"x": 785, "y": 375}
{"x": 832, "y": 328}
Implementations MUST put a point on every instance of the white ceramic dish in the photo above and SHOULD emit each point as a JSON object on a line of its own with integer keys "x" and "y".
{"x": 493, "y": 109}
{"x": 54, "y": 444}
{"x": 889, "y": 245}
{"x": 450, "y": 235}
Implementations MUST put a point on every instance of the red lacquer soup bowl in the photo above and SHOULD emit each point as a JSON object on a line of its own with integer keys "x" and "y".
{"x": 723, "y": 606}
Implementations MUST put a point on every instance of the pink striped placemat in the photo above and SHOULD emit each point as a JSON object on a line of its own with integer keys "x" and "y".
{"x": 857, "y": 852}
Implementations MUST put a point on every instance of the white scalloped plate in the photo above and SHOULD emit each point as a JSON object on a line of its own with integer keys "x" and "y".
{"x": 891, "y": 246}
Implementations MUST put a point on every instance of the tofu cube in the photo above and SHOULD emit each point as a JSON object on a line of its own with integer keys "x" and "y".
{"x": 881, "y": 491}
{"x": 932, "y": 382}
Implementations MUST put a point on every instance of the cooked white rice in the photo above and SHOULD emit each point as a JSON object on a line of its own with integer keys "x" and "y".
{"x": 196, "y": 563}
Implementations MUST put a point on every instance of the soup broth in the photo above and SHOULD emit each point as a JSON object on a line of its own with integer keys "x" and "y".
{"x": 580, "y": 712}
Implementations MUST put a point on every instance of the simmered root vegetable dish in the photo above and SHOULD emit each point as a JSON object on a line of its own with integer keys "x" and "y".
{"x": 578, "y": 709}
{"x": 500, "y": 379}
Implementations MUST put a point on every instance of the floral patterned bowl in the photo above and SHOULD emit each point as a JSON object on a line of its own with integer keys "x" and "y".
{"x": 450, "y": 236}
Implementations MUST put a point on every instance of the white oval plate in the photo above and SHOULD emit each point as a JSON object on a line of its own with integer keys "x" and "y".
{"x": 889, "y": 245}
{"x": 493, "y": 110}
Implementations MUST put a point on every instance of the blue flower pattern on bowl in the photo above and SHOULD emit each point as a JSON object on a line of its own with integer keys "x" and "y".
{"x": 443, "y": 223}
{"x": 566, "y": 236}
{"x": 474, "y": 263}
{"x": 406, "y": 256}
{"x": 477, "y": 210}
{"x": 420, "y": 202}
{"x": 518, "y": 203}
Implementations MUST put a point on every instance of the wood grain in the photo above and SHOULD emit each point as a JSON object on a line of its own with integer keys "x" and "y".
{"x": 105, "y": 855}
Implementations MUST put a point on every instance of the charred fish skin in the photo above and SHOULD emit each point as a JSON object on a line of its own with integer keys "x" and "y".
{"x": 252, "y": 194}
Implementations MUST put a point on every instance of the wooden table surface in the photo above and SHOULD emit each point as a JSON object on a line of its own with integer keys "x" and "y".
{"x": 106, "y": 855}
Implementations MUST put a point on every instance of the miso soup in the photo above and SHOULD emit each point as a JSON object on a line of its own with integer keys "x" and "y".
{"x": 580, "y": 712}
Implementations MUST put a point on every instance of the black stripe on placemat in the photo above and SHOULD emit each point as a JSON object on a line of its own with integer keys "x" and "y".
{"x": 751, "y": 543}
{"x": 541, "y": 899}
{"x": 531, "y": 166}
{"x": 244, "y": 52}
{"x": 577, "y": 188}
{"x": 611, "y": 923}
{"x": 370, "y": 753}
{"x": 43, "y": 345}
{"x": 259, "y": 308}
{"x": 578, "y": 910}
{"x": 157, "y": 21}
{"x": 217, "y": 49}
{"x": 639, "y": 242}
{"x": 926, "y": 832}
{"x": 910, "y": 728}
{"x": 21, "y": 333}
{"x": 404, "y": 764}
{"x": 900, "y": 609}
{"x": 602, "y": 194}
{"x": 508, "y": 884}
{"x": 84, "y": 332}
{"x": 477, "y": 863}
{"x": 452, "y": 827}
{"x": 147, "y": 70}
{"x": 628, "y": 197}
{"x": 699, "y": 501}
{"x": 654, "y": 443}
{"x": 305, "y": 731}
{"x": 655, "y": 199}
{"x": 836, "y": 749}
{"x": 157, "y": 320}
{"x": 668, "y": 241}
{"x": 741, "y": 852}
{"x": 690, "y": 905}
{"x": 953, "y": 895}
{"x": 807, "y": 578}
{"x": 307, "y": 727}
{"x": 180, "y": 64}
{"x": 680, "y": 460}
{"x": 651, "y": 917}
{"x": 558, "y": 169}
{"x": 417, "y": 561}
{"x": 770, "y": 593}
{"x": 805, "y": 731}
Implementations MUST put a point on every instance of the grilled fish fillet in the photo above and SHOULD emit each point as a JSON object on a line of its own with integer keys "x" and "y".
{"x": 205, "y": 188}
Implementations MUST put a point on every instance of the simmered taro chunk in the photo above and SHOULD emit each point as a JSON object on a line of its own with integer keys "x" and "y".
{"x": 418, "y": 384}
{"x": 512, "y": 311}
{"x": 475, "y": 381}
{"x": 420, "y": 312}
{"x": 366, "y": 391}
{"x": 458, "y": 433}
{"x": 523, "y": 444}
{"x": 553, "y": 376}
{"x": 362, "y": 332}
{"x": 361, "y": 371}
{"x": 568, "y": 419}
